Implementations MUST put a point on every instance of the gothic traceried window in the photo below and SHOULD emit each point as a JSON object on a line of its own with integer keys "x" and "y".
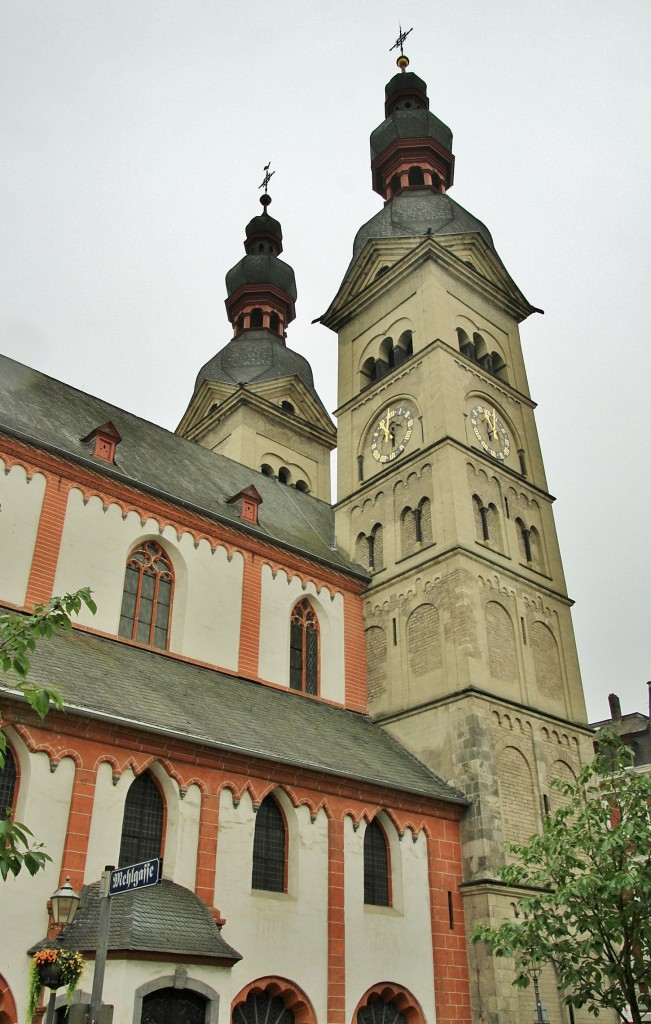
{"x": 269, "y": 847}
{"x": 7, "y": 783}
{"x": 304, "y": 648}
{"x": 142, "y": 825}
{"x": 147, "y": 596}
{"x": 376, "y": 866}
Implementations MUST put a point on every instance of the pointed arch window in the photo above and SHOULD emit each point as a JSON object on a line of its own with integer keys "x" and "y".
{"x": 269, "y": 848}
{"x": 142, "y": 824}
{"x": 147, "y": 596}
{"x": 304, "y": 649}
{"x": 7, "y": 783}
{"x": 376, "y": 866}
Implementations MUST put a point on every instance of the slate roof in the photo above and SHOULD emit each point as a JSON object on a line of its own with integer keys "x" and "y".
{"x": 45, "y": 411}
{"x": 164, "y": 919}
{"x": 413, "y": 214}
{"x": 115, "y": 681}
{"x": 256, "y": 356}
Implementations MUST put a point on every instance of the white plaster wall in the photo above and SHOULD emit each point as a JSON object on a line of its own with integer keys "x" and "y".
{"x": 21, "y": 499}
{"x": 43, "y": 805}
{"x": 181, "y": 824}
{"x": 207, "y": 601}
{"x": 277, "y": 933}
{"x": 279, "y": 595}
{"x": 124, "y": 977}
{"x": 106, "y": 821}
{"x": 387, "y": 943}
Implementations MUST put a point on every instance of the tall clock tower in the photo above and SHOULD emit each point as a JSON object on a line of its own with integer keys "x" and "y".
{"x": 442, "y": 494}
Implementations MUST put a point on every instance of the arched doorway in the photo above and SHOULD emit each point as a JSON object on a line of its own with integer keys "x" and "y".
{"x": 173, "y": 1006}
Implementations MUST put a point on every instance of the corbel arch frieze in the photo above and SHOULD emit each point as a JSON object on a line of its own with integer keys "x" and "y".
{"x": 278, "y": 569}
{"x": 56, "y": 751}
{"x": 31, "y": 470}
{"x": 150, "y": 514}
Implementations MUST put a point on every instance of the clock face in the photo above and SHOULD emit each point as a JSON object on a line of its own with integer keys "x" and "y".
{"x": 392, "y": 433}
{"x": 490, "y": 432}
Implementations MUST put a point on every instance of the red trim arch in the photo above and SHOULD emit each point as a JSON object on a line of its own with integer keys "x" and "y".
{"x": 8, "y": 1011}
{"x": 293, "y": 997}
{"x": 401, "y": 998}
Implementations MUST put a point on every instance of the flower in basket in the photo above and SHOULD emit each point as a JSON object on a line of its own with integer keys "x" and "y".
{"x": 54, "y": 968}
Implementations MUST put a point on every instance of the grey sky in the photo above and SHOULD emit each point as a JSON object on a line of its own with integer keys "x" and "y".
{"x": 134, "y": 135}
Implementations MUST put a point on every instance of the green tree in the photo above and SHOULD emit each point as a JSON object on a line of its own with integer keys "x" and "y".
{"x": 590, "y": 876}
{"x": 19, "y": 635}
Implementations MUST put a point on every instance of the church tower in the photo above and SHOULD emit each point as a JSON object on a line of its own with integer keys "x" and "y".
{"x": 442, "y": 495}
{"x": 255, "y": 400}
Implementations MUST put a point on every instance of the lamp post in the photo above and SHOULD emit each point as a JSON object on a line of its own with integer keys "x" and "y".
{"x": 64, "y": 903}
{"x": 534, "y": 971}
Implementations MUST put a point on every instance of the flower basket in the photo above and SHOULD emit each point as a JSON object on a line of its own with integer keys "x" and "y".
{"x": 53, "y": 969}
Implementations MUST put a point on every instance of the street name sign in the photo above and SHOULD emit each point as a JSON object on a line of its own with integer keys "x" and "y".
{"x": 136, "y": 876}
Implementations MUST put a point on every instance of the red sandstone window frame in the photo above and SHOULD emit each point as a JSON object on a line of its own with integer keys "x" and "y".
{"x": 149, "y": 558}
{"x": 307, "y": 677}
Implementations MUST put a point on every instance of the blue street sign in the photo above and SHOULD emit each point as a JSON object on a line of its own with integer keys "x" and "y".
{"x": 136, "y": 876}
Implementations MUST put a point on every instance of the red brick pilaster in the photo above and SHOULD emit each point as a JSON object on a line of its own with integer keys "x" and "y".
{"x": 207, "y": 848}
{"x": 354, "y": 653}
{"x": 336, "y": 923}
{"x": 75, "y": 850}
{"x": 48, "y": 541}
{"x": 451, "y": 980}
{"x": 250, "y": 624}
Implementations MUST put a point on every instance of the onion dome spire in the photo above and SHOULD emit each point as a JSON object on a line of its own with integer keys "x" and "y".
{"x": 261, "y": 288}
{"x": 411, "y": 149}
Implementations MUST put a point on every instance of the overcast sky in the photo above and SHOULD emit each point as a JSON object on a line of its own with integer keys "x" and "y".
{"x": 133, "y": 137}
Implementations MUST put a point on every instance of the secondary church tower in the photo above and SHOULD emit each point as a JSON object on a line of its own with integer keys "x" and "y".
{"x": 442, "y": 495}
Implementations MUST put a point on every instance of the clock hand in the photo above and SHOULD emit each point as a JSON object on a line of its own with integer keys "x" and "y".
{"x": 385, "y": 429}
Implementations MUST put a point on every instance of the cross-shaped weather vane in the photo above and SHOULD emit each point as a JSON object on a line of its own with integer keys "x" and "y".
{"x": 400, "y": 40}
{"x": 268, "y": 175}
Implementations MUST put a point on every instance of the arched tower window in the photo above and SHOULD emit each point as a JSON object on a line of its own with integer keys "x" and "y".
{"x": 274, "y": 322}
{"x": 416, "y": 176}
{"x": 395, "y": 184}
{"x": 376, "y": 866}
{"x": 304, "y": 648}
{"x": 269, "y": 848}
{"x": 266, "y": 470}
{"x": 147, "y": 596}
{"x": 256, "y": 319}
{"x": 284, "y": 476}
{"x": 376, "y": 548}
{"x": 142, "y": 825}
{"x": 7, "y": 783}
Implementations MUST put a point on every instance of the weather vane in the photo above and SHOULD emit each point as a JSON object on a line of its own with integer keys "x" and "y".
{"x": 268, "y": 175}
{"x": 402, "y": 61}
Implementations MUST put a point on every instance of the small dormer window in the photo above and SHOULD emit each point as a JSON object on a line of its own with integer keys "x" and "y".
{"x": 103, "y": 441}
{"x": 247, "y": 503}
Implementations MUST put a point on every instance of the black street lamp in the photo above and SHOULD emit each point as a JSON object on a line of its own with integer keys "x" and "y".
{"x": 63, "y": 903}
{"x": 534, "y": 972}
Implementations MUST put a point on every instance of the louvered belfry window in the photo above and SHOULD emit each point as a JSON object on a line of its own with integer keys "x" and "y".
{"x": 304, "y": 649}
{"x": 147, "y": 596}
{"x": 269, "y": 847}
{"x": 376, "y": 866}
